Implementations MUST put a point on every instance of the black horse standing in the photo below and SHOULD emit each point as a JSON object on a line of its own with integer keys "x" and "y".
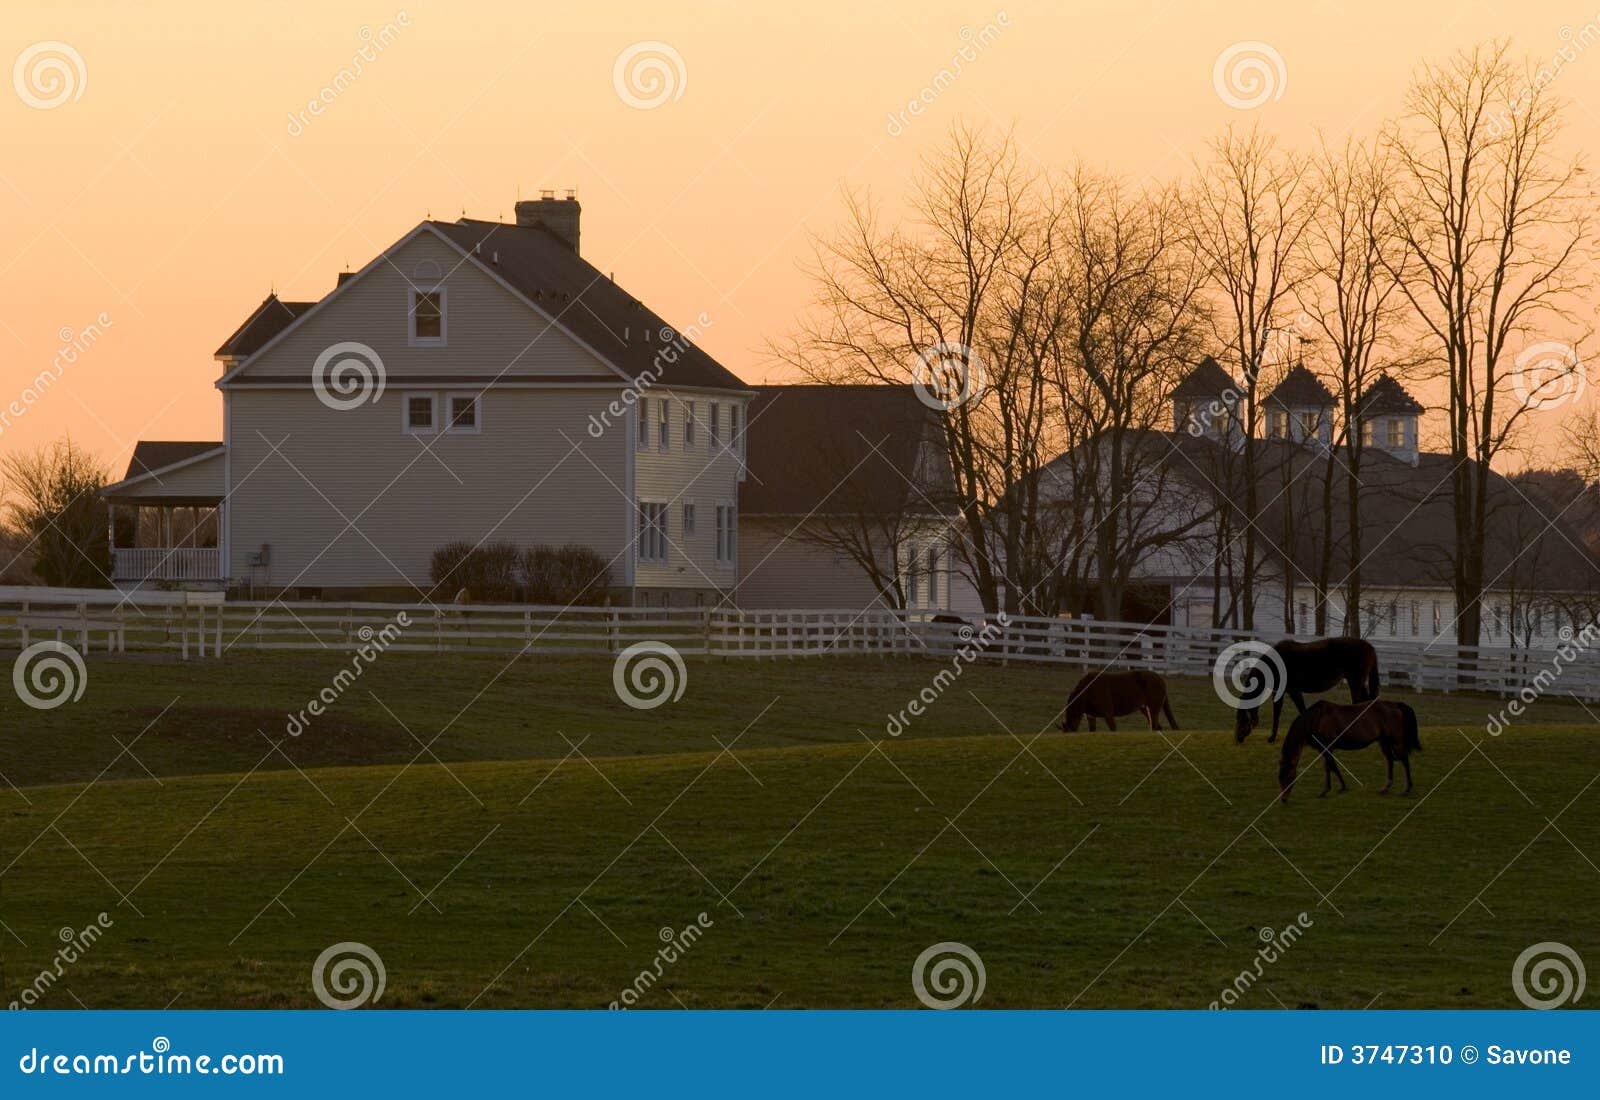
{"x": 1308, "y": 668}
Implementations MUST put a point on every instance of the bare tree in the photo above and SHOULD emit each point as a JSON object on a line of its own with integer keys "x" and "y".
{"x": 1131, "y": 321}
{"x": 1495, "y": 236}
{"x": 54, "y": 509}
{"x": 1249, "y": 212}
{"x": 1353, "y": 306}
{"x": 953, "y": 299}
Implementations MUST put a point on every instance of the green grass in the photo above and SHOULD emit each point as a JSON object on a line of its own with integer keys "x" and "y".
{"x": 825, "y": 864}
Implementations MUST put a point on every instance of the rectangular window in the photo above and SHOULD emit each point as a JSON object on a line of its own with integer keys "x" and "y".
{"x": 1309, "y": 422}
{"x": 1416, "y": 617}
{"x": 419, "y": 410}
{"x": 642, "y": 411}
{"x": 727, "y": 533}
{"x": 688, "y": 425}
{"x": 1394, "y": 617}
{"x": 652, "y": 531}
{"x": 1366, "y": 433}
{"x": 664, "y": 411}
{"x": 688, "y": 517}
{"x": 1397, "y": 433}
{"x": 463, "y": 410}
{"x": 1437, "y": 618}
{"x": 913, "y": 578}
{"x": 427, "y": 316}
{"x": 933, "y": 576}
{"x": 714, "y": 427}
{"x": 1277, "y": 423}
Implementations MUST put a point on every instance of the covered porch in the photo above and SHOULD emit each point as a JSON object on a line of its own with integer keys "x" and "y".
{"x": 165, "y": 517}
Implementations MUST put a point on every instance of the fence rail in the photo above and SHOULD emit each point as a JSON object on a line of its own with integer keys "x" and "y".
{"x": 206, "y": 624}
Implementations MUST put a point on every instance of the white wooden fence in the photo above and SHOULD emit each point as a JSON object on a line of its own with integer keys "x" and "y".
{"x": 205, "y": 624}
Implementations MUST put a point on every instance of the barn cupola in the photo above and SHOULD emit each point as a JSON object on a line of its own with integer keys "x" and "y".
{"x": 1300, "y": 408}
{"x": 1206, "y": 404}
{"x": 1388, "y": 417}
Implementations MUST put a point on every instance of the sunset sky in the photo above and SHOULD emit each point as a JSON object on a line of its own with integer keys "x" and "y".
{"x": 172, "y": 187}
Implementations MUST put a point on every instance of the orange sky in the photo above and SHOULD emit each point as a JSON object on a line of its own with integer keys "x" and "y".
{"x": 168, "y": 193}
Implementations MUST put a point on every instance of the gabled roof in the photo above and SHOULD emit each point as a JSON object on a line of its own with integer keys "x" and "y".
{"x": 1206, "y": 380}
{"x": 544, "y": 269}
{"x": 842, "y": 449}
{"x": 150, "y": 455}
{"x": 1386, "y": 397}
{"x": 1300, "y": 389}
{"x": 270, "y": 318}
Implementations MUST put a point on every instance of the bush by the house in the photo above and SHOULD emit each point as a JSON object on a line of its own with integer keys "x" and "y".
{"x": 488, "y": 572}
{"x": 564, "y": 575}
{"x": 500, "y": 572}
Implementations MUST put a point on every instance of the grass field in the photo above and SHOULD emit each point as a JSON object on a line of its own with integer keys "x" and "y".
{"x": 533, "y": 856}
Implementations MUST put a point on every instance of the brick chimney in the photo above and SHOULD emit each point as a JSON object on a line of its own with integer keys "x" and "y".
{"x": 560, "y": 216}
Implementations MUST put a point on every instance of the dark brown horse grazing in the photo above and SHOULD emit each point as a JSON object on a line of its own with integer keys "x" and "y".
{"x": 1329, "y": 727}
{"x": 1111, "y": 694}
{"x": 1309, "y": 667}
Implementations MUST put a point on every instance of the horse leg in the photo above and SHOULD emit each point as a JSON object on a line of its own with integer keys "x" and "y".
{"x": 1111, "y": 723}
{"x": 1405, "y": 762}
{"x": 1091, "y": 723}
{"x": 1152, "y": 717}
{"x": 1277, "y": 709}
{"x": 1327, "y": 775}
{"x": 1338, "y": 771}
{"x": 1388, "y": 758}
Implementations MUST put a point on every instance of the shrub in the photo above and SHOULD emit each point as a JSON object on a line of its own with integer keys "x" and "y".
{"x": 564, "y": 575}
{"x": 488, "y": 572}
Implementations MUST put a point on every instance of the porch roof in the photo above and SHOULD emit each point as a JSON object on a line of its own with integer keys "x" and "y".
{"x": 171, "y": 472}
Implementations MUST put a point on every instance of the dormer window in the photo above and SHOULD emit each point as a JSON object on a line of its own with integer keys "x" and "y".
{"x": 427, "y": 315}
{"x": 1310, "y": 422}
{"x": 1396, "y": 438}
{"x": 1277, "y": 423}
{"x": 1366, "y": 433}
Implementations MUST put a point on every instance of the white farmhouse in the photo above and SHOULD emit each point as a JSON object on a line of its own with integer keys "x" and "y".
{"x": 477, "y": 382}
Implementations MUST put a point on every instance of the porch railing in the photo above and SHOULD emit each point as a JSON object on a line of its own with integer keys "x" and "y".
{"x": 162, "y": 563}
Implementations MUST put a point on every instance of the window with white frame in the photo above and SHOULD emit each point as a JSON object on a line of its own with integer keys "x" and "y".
{"x": 1416, "y": 617}
{"x": 1394, "y": 617}
{"x": 1397, "y": 433}
{"x": 727, "y": 533}
{"x": 664, "y": 423}
{"x": 688, "y": 425}
{"x": 1437, "y": 617}
{"x": 688, "y": 517}
{"x": 933, "y": 576}
{"x": 642, "y": 411}
{"x": 421, "y": 414}
{"x": 463, "y": 411}
{"x": 714, "y": 426}
{"x": 652, "y": 531}
{"x": 428, "y": 321}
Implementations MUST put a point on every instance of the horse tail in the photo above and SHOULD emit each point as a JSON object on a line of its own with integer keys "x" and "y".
{"x": 1166, "y": 707}
{"x": 1413, "y": 743}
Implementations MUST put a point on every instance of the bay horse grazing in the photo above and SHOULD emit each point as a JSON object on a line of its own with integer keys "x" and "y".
{"x": 1109, "y": 695}
{"x": 1308, "y": 668}
{"x": 1330, "y": 727}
